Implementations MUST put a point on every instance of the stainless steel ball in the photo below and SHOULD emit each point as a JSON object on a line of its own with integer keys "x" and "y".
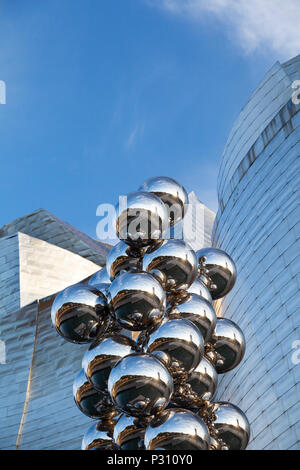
{"x": 137, "y": 301}
{"x": 231, "y": 425}
{"x": 79, "y": 313}
{"x": 98, "y": 437}
{"x": 101, "y": 357}
{"x": 89, "y": 401}
{"x": 199, "y": 311}
{"x": 142, "y": 219}
{"x": 229, "y": 344}
{"x": 175, "y": 259}
{"x": 122, "y": 257}
{"x": 172, "y": 194}
{"x": 129, "y": 433}
{"x": 140, "y": 385}
{"x": 99, "y": 278}
{"x": 217, "y": 271}
{"x": 197, "y": 287}
{"x": 181, "y": 341}
{"x": 177, "y": 429}
{"x": 202, "y": 383}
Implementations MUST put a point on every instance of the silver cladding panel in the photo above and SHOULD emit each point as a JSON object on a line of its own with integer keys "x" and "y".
{"x": 258, "y": 224}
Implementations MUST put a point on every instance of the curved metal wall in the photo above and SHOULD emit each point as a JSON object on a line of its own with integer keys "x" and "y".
{"x": 258, "y": 224}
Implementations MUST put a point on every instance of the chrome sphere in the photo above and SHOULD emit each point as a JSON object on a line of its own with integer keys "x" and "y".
{"x": 229, "y": 344}
{"x": 202, "y": 384}
{"x": 172, "y": 194}
{"x": 143, "y": 220}
{"x": 89, "y": 401}
{"x": 177, "y": 429}
{"x": 140, "y": 385}
{"x": 181, "y": 341}
{"x": 175, "y": 259}
{"x": 217, "y": 270}
{"x": 231, "y": 425}
{"x": 98, "y": 437}
{"x": 79, "y": 313}
{"x": 197, "y": 287}
{"x": 101, "y": 357}
{"x": 199, "y": 311}
{"x": 99, "y": 278}
{"x": 122, "y": 257}
{"x": 129, "y": 433}
{"x": 137, "y": 300}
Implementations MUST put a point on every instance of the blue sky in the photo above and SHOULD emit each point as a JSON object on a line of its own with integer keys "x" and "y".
{"x": 102, "y": 94}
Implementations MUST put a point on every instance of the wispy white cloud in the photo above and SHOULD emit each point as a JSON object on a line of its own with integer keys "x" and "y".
{"x": 269, "y": 25}
{"x": 137, "y": 131}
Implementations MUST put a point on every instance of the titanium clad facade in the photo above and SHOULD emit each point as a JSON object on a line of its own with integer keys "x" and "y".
{"x": 258, "y": 224}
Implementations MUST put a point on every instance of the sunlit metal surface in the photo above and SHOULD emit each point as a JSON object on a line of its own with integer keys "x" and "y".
{"x": 197, "y": 287}
{"x": 140, "y": 385}
{"x": 137, "y": 300}
{"x": 142, "y": 220}
{"x": 199, "y": 311}
{"x": 99, "y": 437}
{"x": 181, "y": 341}
{"x": 231, "y": 425}
{"x": 79, "y": 313}
{"x": 229, "y": 344}
{"x": 175, "y": 259}
{"x": 172, "y": 194}
{"x": 122, "y": 258}
{"x": 99, "y": 278}
{"x": 217, "y": 271}
{"x": 129, "y": 433}
{"x": 177, "y": 429}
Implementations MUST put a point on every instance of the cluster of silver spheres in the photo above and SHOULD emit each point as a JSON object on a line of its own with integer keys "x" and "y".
{"x": 157, "y": 347}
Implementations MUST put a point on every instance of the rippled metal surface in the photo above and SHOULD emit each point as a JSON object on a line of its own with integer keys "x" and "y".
{"x": 99, "y": 437}
{"x": 79, "y": 313}
{"x": 177, "y": 429}
{"x": 142, "y": 220}
{"x": 137, "y": 300}
{"x": 218, "y": 270}
{"x": 181, "y": 341}
{"x": 101, "y": 357}
{"x": 199, "y": 311}
{"x": 129, "y": 433}
{"x": 231, "y": 425}
{"x": 229, "y": 344}
{"x": 175, "y": 259}
{"x": 88, "y": 400}
{"x": 140, "y": 385}
{"x": 172, "y": 194}
{"x": 122, "y": 258}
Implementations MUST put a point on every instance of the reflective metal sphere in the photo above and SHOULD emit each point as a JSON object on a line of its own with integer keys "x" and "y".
{"x": 137, "y": 300}
{"x": 98, "y": 437}
{"x": 231, "y": 425}
{"x": 199, "y": 311}
{"x": 101, "y": 357}
{"x": 217, "y": 271}
{"x": 175, "y": 259}
{"x": 181, "y": 341}
{"x": 229, "y": 344}
{"x": 122, "y": 257}
{"x": 177, "y": 429}
{"x": 79, "y": 313}
{"x": 99, "y": 278}
{"x": 172, "y": 194}
{"x": 142, "y": 220}
{"x": 129, "y": 433}
{"x": 89, "y": 401}
{"x": 140, "y": 385}
{"x": 197, "y": 287}
{"x": 202, "y": 384}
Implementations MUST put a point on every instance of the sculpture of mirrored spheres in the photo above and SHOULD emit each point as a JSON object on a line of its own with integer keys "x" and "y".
{"x": 217, "y": 271}
{"x": 172, "y": 194}
{"x": 140, "y": 385}
{"x": 150, "y": 371}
